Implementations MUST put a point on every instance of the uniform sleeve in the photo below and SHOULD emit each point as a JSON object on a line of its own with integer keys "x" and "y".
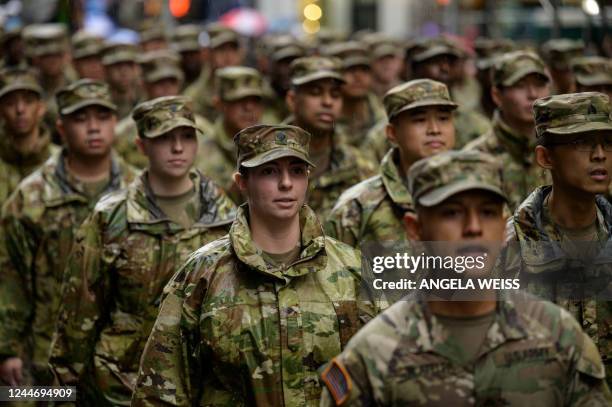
{"x": 343, "y": 222}
{"x": 587, "y": 384}
{"x": 346, "y": 382}
{"x": 18, "y": 241}
{"x": 168, "y": 365}
{"x": 85, "y": 293}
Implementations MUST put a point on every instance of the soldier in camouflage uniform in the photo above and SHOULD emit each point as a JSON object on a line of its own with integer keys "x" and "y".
{"x": 225, "y": 50}
{"x": 250, "y": 317}
{"x": 373, "y": 210}
{"x": 239, "y": 99}
{"x": 361, "y": 109}
{"x": 86, "y": 55}
{"x": 315, "y": 101}
{"x": 519, "y": 78}
{"x": 122, "y": 74}
{"x": 13, "y": 48}
{"x": 593, "y": 74}
{"x": 184, "y": 40}
{"x": 558, "y": 54}
{"x": 558, "y": 227}
{"x": 436, "y": 61}
{"x": 152, "y": 36}
{"x": 423, "y": 352}
{"x": 25, "y": 143}
{"x": 46, "y": 46}
{"x": 151, "y": 227}
{"x": 386, "y": 62}
{"x": 162, "y": 76}
{"x": 282, "y": 51}
{"x": 39, "y": 220}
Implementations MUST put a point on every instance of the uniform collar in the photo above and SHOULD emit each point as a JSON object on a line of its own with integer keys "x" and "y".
{"x": 520, "y": 146}
{"x": 312, "y": 256}
{"x": 143, "y": 213}
{"x": 9, "y": 154}
{"x": 223, "y": 140}
{"x": 393, "y": 181}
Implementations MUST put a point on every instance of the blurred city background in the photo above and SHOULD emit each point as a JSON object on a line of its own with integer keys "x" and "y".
{"x": 533, "y": 20}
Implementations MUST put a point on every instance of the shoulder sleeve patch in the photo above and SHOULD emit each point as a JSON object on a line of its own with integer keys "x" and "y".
{"x": 338, "y": 381}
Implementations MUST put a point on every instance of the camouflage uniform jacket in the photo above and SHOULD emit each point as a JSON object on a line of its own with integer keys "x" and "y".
{"x": 372, "y": 210}
{"x": 540, "y": 255}
{"x": 356, "y": 136}
{"x": 469, "y": 125}
{"x": 125, "y": 253}
{"x": 376, "y": 144}
{"x": 217, "y": 159}
{"x": 201, "y": 91}
{"x": 516, "y": 152}
{"x": 127, "y": 133}
{"x": 15, "y": 166}
{"x": 233, "y": 331}
{"x": 534, "y": 353}
{"x": 38, "y": 223}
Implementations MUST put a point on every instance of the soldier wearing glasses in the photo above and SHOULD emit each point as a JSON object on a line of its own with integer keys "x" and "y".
{"x": 561, "y": 228}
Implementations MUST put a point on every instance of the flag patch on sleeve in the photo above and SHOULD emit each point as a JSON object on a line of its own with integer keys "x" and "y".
{"x": 338, "y": 381}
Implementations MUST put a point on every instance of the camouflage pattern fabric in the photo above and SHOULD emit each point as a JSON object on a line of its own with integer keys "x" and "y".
{"x": 85, "y": 44}
{"x": 433, "y": 179}
{"x": 573, "y": 113}
{"x": 516, "y": 153}
{"x": 126, "y": 134}
{"x": 533, "y": 353}
{"x": 414, "y": 94}
{"x": 238, "y": 82}
{"x": 45, "y": 39}
{"x": 372, "y": 210}
{"x": 540, "y": 255}
{"x": 125, "y": 253}
{"x": 355, "y": 131}
{"x": 38, "y": 224}
{"x": 376, "y": 144}
{"x": 233, "y": 331}
{"x": 18, "y": 78}
{"x": 82, "y": 93}
{"x": 202, "y": 93}
{"x": 217, "y": 159}
{"x": 512, "y": 67}
{"x": 592, "y": 71}
{"x": 469, "y": 125}
{"x": 309, "y": 69}
{"x": 15, "y": 166}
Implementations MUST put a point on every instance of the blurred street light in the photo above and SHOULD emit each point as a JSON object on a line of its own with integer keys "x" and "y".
{"x": 591, "y": 7}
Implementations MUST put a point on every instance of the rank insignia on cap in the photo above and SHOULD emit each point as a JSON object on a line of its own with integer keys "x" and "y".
{"x": 338, "y": 381}
{"x": 281, "y": 138}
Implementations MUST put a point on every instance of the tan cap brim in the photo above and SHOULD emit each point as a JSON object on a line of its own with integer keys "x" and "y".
{"x": 164, "y": 73}
{"x": 89, "y": 102}
{"x": 243, "y": 93}
{"x": 20, "y": 86}
{"x": 521, "y": 73}
{"x": 578, "y": 128}
{"x": 426, "y": 103}
{"x": 171, "y": 125}
{"x": 594, "y": 80}
{"x": 275, "y": 154}
{"x": 439, "y": 195}
{"x": 317, "y": 76}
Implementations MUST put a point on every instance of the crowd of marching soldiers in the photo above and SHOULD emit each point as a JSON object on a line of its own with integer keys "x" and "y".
{"x": 179, "y": 228}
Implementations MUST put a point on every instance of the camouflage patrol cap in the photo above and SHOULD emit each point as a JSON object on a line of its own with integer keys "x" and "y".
{"x": 160, "y": 64}
{"x": 350, "y": 53}
{"x": 185, "y": 38}
{"x": 434, "y": 179}
{"x": 118, "y": 52}
{"x": 559, "y": 52}
{"x": 45, "y": 39}
{"x": 380, "y": 45}
{"x": 416, "y": 93}
{"x": 83, "y": 93}
{"x": 18, "y": 78}
{"x": 156, "y": 117}
{"x": 512, "y": 67}
{"x": 237, "y": 82}
{"x": 263, "y": 143}
{"x": 85, "y": 45}
{"x": 490, "y": 50}
{"x": 572, "y": 113}
{"x": 285, "y": 46}
{"x": 435, "y": 47}
{"x": 310, "y": 69}
{"x": 152, "y": 33}
{"x": 221, "y": 35}
{"x": 592, "y": 71}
